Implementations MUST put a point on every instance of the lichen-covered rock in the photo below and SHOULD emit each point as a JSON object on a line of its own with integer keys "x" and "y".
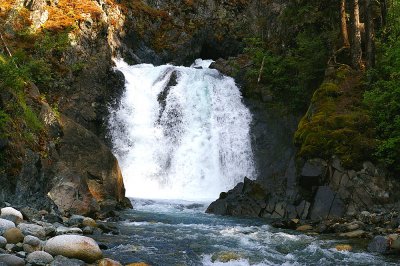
{"x": 74, "y": 246}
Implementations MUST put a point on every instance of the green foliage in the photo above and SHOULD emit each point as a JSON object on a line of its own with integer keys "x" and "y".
{"x": 51, "y": 43}
{"x": 292, "y": 76}
{"x": 383, "y": 99}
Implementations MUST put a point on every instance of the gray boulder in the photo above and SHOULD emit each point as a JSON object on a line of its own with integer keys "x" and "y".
{"x": 379, "y": 244}
{"x": 32, "y": 229}
{"x": 5, "y": 224}
{"x": 11, "y": 260}
{"x": 39, "y": 258}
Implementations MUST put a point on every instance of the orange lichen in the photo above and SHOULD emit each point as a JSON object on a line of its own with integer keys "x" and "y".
{"x": 67, "y": 13}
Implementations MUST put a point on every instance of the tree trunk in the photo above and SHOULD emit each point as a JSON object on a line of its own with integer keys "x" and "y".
{"x": 369, "y": 34}
{"x": 345, "y": 35}
{"x": 356, "y": 52}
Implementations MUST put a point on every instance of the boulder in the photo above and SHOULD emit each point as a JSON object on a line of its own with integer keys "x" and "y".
{"x": 76, "y": 220}
{"x": 9, "y": 211}
{"x": 343, "y": 247}
{"x": 246, "y": 199}
{"x": 63, "y": 261}
{"x": 31, "y": 244}
{"x": 74, "y": 246}
{"x": 5, "y": 224}
{"x": 33, "y": 229}
{"x": 225, "y": 256}
{"x": 108, "y": 262}
{"x": 13, "y": 235}
{"x": 89, "y": 222}
{"x": 379, "y": 244}
{"x": 88, "y": 172}
{"x": 305, "y": 227}
{"x": 39, "y": 258}
{"x": 353, "y": 234}
{"x": 11, "y": 260}
{"x": 62, "y": 230}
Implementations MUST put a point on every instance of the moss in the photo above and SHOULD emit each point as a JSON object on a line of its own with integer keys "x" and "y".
{"x": 335, "y": 125}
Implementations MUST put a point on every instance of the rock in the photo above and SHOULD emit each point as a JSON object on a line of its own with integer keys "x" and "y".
{"x": 314, "y": 168}
{"x": 32, "y": 229}
{"x": 74, "y": 246}
{"x": 395, "y": 244}
{"x": 326, "y": 204}
{"x": 13, "y": 235}
{"x": 305, "y": 227}
{"x": 353, "y": 234}
{"x": 87, "y": 230}
{"x": 68, "y": 231}
{"x": 109, "y": 262}
{"x": 3, "y": 242}
{"x": 5, "y": 224}
{"x": 21, "y": 254}
{"x": 87, "y": 221}
{"x": 343, "y": 247}
{"x": 63, "y": 261}
{"x": 379, "y": 244}
{"x": 138, "y": 264}
{"x": 39, "y": 258}
{"x": 9, "y": 211}
{"x": 76, "y": 220}
{"x": 31, "y": 244}
{"x": 225, "y": 256}
{"x": 11, "y": 260}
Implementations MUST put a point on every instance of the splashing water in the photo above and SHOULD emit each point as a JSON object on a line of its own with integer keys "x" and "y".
{"x": 180, "y": 132}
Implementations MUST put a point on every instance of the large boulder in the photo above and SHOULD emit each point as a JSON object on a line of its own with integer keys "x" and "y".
{"x": 32, "y": 229}
{"x": 13, "y": 235}
{"x": 11, "y": 212}
{"x": 74, "y": 246}
{"x": 379, "y": 244}
{"x": 39, "y": 258}
{"x": 245, "y": 199}
{"x": 87, "y": 173}
{"x": 11, "y": 260}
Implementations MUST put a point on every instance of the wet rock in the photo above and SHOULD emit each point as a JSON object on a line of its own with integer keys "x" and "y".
{"x": 76, "y": 220}
{"x": 354, "y": 234}
{"x": 88, "y": 230}
{"x": 343, "y": 247}
{"x": 305, "y": 227}
{"x": 87, "y": 221}
{"x": 395, "y": 243}
{"x": 245, "y": 199}
{"x": 11, "y": 260}
{"x": 74, "y": 246}
{"x": 62, "y": 230}
{"x": 39, "y": 258}
{"x": 32, "y": 229}
{"x": 379, "y": 244}
{"x": 225, "y": 256}
{"x": 13, "y": 235}
{"x": 109, "y": 262}
{"x": 5, "y": 224}
{"x": 64, "y": 261}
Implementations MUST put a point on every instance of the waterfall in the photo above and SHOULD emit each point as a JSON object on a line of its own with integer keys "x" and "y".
{"x": 180, "y": 132}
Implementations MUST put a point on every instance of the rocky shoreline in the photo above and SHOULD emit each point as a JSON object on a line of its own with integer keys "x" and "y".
{"x": 31, "y": 237}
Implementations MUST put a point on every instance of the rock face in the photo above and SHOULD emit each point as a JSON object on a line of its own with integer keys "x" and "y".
{"x": 91, "y": 171}
{"x": 74, "y": 246}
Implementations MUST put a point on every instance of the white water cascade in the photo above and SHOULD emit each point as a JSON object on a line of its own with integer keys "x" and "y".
{"x": 180, "y": 132}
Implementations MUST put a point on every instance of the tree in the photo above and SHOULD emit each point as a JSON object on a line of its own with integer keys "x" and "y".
{"x": 369, "y": 34}
{"x": 343, "y": 17}
{"x": 356, "y": 52}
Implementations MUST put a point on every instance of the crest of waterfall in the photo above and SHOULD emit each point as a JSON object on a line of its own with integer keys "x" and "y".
{"x": 180, "y": 132}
